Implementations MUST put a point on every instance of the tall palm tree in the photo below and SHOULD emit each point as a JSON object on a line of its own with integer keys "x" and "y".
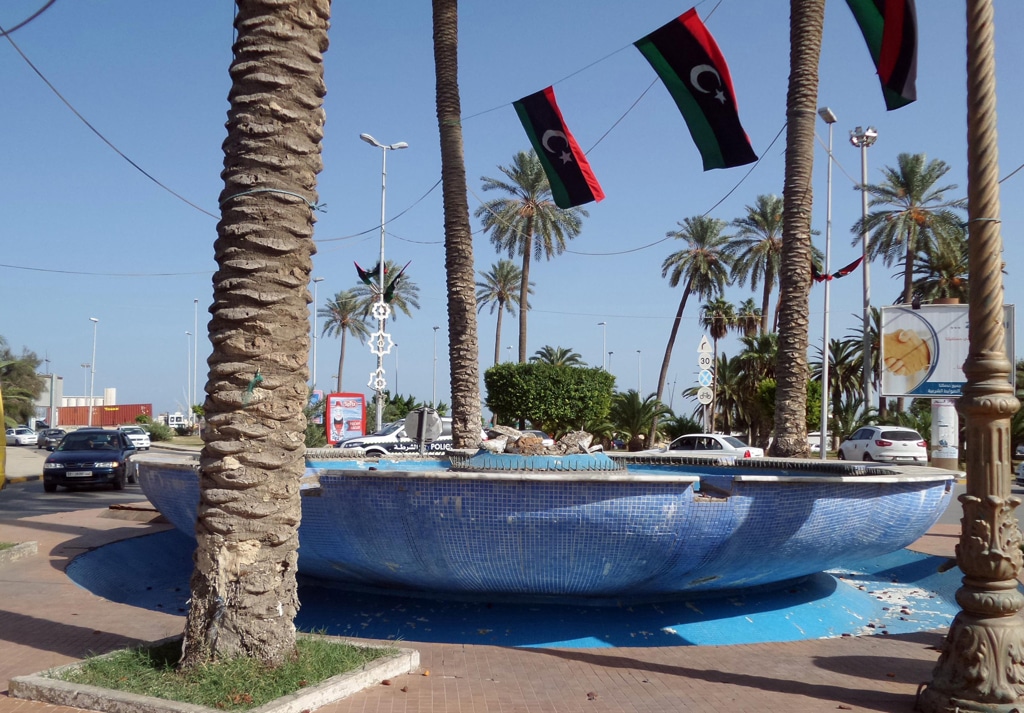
{"x": 500, "y": 290}
{"x": 463, "y": 344}
{"x": 403, "y": 295}
{"x": 717, "y": 316}
{"x": 941, "y": 270}
{"x": 845, "y": 369}
{"x": 913, "y": 213}
{"x": 343, "y": 315}
{"x": 806, "y": 21}
{"x": 527, "y": 222}
{"x": 758, "y": 249}
{"x": 243, "y": 590}
{"x": 748, "y": 317}
{"x": 558, "y": 356}
{"x": 703, "y": 268}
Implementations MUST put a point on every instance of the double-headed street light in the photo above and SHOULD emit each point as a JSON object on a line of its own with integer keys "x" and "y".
{"x": 862, "y": 138}
{"x": 830, "y": 118}
{"x": 92, "y": 366}
{"x": 380, "y": 344}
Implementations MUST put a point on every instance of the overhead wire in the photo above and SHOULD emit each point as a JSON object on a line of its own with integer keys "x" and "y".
{"x": 30, "y": 18}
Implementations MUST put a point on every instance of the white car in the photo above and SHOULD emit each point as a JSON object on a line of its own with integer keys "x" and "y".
{"x": 137, "y": 435}
{"x": 21, "y": 436}
{"x": 890, "y": 444}
{"x": 709, "y": 444}
{"x": 546, "y": 440}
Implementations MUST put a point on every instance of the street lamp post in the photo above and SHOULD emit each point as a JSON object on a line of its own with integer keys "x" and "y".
{"x": 604, "y": 343}
{"x": 85, "y": 378}
{"x": 862, "y": 139}
{"x": 92, "y": 366}
{"x": 312, "y": 377}
{"x": 610, "y": 360}
{"x": 830, "y": 118}
{"x": 381, "y": 343}
{"x": 639, "y": 377}
{"x": 433, "y": 387}
{"x": 195, "y": 351}
{"x": 188, "y": 365}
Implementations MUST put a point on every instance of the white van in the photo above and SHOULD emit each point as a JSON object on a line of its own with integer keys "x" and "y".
{"x": 393, "y": 439}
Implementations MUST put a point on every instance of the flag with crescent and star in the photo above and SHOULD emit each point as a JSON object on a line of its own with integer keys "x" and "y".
{"x": 572, "y": 181}
{"x": 890, "y": 29}
{"x": 693, "y": 69}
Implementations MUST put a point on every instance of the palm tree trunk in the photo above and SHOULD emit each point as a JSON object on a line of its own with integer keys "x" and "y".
{"x": 497, "y": 334}
{"x": 341, "y": 357}
{"x": 663, "y": 376}
{"x": 524, "y": 290}
{"x": 805, "y": 29}
{"x": 908, "y": 272}
{"x": 243, "y": 590}
{"x": 463, "y": 347}
{"x": 766, "y": 300}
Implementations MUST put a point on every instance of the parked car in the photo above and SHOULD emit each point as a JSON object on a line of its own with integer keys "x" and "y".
{"x": 547, "y": 440}
{"x": 1019, "y": 452}
{"x": 392, "y": 438}
{"x": 1020, "y": 473}
{"x": 892, "y": 444}
{"x": 90, "y": 456}
{"x": 21, "y": 436}
{"x": 49, "y": 438}
{"x": 709, "y": 444}
{"x": 138, "y": 436}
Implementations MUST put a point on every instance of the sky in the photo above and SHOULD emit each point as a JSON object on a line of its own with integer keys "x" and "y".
{"x": 84, "y": 234}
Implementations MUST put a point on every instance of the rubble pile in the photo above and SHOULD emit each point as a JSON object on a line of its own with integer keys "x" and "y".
{"x": 505, "y": 439}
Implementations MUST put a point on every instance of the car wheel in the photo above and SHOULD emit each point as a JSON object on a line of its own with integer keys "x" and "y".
{"x": 49, "y": 487}
{"x": 842, "y": 456}
{"x": 121, "y": 480}
{"x": 867, "y": 457}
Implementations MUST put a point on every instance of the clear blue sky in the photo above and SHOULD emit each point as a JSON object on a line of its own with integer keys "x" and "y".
{"x": 86, "y": 235}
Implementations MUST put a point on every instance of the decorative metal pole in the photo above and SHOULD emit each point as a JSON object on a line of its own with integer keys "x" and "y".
{"x": 981, "y": 667}
{"x": 829, "y": 117}
{"x": 862, "y": 138}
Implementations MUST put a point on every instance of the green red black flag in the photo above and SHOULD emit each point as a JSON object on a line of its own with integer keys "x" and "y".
{"x": 890, "y": 29}
{"x": 693, "y": 69}
{"x": 572, "y": 181}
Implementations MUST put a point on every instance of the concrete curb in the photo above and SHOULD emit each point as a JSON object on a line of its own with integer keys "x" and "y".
{"x": 40, "y": 687}
{"x": 19, "y": 551}
{"x": 23, "y": 478}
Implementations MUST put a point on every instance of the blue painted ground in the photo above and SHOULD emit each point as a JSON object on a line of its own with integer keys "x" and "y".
{"x": 899, "y": 593}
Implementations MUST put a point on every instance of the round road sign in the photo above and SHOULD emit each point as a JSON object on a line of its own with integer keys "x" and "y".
{"x": 704, "y": 395}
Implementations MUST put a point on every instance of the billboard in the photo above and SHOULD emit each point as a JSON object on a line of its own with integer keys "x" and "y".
{"x": 346, "y": 416}
{"x": 923, "y": 350}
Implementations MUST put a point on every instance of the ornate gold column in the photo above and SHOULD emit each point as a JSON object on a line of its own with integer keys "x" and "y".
{"x": 981, "y": 667}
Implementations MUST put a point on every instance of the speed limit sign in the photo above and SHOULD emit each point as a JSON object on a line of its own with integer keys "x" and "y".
{"x": 705, "y": 360}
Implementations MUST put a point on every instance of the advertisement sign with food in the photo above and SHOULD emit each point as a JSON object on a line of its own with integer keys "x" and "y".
{"x": 923, "y": 350}
{"x": 346, "y": 416}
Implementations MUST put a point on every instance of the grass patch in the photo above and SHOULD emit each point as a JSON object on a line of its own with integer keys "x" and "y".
{"x": 6, "y": 545}
{"x": 237, "y": 684}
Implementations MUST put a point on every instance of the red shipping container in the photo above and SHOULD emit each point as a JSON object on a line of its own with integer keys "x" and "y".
{"x": 106, "y": 416}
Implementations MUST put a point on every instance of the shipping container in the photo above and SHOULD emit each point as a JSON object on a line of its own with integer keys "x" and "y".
{"x": 105, "y": 416}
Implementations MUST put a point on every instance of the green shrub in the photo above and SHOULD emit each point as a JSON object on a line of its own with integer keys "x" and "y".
{"x": 160, "y": 432}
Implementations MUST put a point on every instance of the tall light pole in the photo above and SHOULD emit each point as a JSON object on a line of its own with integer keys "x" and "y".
{"x": 381, "y": 342}
{"x": 433, "y": 388}
{"x": 195, "y": 352}
{"x": 639, "y": 377}
{"x": 188, "y": 367}
{"x": 312, "y": 378}
{"x": 862, "y": 138}
{"x": 604, "y": 343}
{"x": 85, "y": 378}
{"x": 610, "y": 360}
{"x": 830, "y": 118}
{"x": 92, "y": 366}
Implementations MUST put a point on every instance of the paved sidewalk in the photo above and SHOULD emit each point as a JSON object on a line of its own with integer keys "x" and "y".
{"x": 46, "y": 620}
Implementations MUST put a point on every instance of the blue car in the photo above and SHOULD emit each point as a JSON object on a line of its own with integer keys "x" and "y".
{"x": 90, "y": 456}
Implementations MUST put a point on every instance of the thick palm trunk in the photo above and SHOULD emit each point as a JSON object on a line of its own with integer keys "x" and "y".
{"x": 243, "y": 587}
{"x": 663, "y": 375}
{"x": 805, "y": 29}
{"x": 497, "y": 334}
{"x": 524, "y": 290}
{"x": 908, "y": 272}
{"x": 766, "y": 300}
{"x": 341, "y": 358}
{"x": 463, "y": 347}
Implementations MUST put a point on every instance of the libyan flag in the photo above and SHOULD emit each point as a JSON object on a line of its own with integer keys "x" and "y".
{"x": 572, "y": 181}
{"x": 687, "y": 58}
{"x": 890, "y": 29}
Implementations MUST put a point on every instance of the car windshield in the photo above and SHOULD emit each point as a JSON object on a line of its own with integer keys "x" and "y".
{"x": 901, "y": 436}
{"x": 89, "y": 441}
{"x": 134, "y": 431}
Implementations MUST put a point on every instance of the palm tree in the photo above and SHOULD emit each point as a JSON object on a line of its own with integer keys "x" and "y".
{"x": 941, "y": 271}
{"x": 400, "y": 291}
{"x": 914, "y": 214}
{"x": 500, "y": 290}
{"x": 635, "y": 417}
{"x": 703, "y": 268}
{"x": 527, "y": 222}
{"x": 806, "y": 21}
{"x": 748, "y": 317}
{"x": 844, "y": 373}
{"x": 758, "y": 249}
{"x": 717, "y": 316}
{"x": 558, "y": 356}
{"x": 243, "y": 590}
{"x": 343, "y": 315}
{"x": 463, "y": 344}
